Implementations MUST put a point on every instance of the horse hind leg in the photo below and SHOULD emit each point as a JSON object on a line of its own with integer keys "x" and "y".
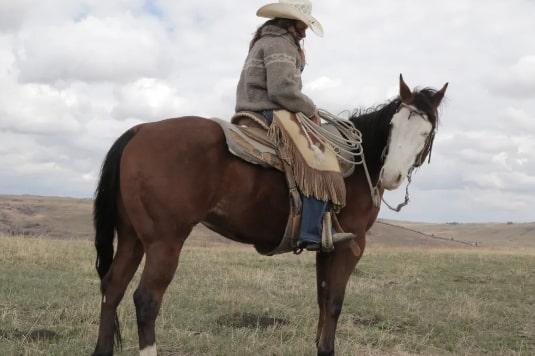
{"x": 125, "y": 263}
{"x": 160, "y": 266}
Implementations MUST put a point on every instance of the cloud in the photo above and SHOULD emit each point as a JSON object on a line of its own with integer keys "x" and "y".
{"x": 75, "y": 74}
{"x": 517, "y": 80}
{"x": 12, "y": 14}
{"x": 148, "y": 99}
{"x": 117, "y": 49}
{"x": 518, "y": 119}
{"x": 468, "y": 204}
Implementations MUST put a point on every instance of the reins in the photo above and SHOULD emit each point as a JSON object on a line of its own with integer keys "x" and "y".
{"x": 407, "y": 198}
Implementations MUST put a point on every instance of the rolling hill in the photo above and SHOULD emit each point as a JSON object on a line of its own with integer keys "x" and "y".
{"x": 69, "y": 218}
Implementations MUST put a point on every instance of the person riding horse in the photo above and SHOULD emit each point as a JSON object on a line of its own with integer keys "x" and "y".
{"x": 271, "y": 80}
{"x": 154, "y": 188}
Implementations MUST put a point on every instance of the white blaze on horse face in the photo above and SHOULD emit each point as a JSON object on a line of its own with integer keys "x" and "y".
{"x": 148, "y": 351}
{"x": 408, "y": 134}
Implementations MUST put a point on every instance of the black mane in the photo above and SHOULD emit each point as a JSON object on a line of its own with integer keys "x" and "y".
{"x": 422, "y": 101}
{"x": 374, "y": 124}
{"x": 375, "y": 119}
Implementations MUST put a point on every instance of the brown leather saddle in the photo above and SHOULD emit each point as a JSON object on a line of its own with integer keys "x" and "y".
{"x": 247, "y": 138}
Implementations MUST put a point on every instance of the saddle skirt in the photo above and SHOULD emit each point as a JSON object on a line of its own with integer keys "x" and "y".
{"x": 247, "y": 138}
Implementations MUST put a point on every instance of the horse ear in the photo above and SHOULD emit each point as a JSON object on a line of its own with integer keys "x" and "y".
{"x": 437, "y": 98}
{"x": 404, "y": 91}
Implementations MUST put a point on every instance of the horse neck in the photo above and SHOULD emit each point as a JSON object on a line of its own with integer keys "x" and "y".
{"x": 375, "y": 128}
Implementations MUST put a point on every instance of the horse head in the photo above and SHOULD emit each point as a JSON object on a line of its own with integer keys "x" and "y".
{"x": 412, "y": 131}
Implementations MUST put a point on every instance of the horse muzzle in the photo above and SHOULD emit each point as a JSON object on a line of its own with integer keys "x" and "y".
{"x": 391, "y": 181}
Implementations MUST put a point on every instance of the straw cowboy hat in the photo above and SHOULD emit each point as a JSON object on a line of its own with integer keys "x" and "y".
{"x": 292, "y": 9}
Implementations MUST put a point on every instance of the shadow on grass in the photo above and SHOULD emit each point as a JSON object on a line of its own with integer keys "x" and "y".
{"x": 33, "y": 335}
{"x": 250, "y": 321}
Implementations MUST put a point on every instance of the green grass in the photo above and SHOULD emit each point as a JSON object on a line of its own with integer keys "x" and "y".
{"x": 231, "y": 301}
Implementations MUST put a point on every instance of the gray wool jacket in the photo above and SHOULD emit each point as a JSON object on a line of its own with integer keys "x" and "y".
{"x": 271, "y": 76}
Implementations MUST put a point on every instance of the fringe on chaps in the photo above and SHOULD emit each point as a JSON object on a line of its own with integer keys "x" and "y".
{"x": 325, "y": 185}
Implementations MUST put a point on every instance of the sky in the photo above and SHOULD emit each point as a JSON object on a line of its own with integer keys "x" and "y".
{"x": 75, "y": 74}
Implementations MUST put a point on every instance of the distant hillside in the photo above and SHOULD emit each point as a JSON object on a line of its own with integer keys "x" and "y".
{"x": 68, "y": 218}
{"x": 62, "y": 218}
{"x": 511, "y": 235}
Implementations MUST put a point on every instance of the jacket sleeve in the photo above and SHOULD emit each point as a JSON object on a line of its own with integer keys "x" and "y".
{"x": 283, "y": 78}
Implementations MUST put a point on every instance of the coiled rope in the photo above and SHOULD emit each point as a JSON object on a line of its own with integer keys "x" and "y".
{"x": 348, "y": 144}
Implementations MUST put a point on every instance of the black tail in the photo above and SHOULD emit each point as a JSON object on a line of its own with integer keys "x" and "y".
{"x": 105, "y": 211}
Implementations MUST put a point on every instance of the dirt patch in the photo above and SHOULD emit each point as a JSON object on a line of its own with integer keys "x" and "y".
{"x": 382, "y": 323}
{"x": 34, "y": 335}
{"x": 472, "y": 279}
{"x": 366, "y": 320}
{"x": 250, "y": 321}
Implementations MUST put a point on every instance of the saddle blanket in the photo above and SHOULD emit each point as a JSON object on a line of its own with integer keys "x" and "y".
{"x": 247, "y": 138}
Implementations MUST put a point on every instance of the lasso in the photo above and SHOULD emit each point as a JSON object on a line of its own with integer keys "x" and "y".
{"x": 348, "y": 144}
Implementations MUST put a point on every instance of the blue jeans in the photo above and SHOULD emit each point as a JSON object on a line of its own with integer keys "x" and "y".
{"x": 313, "y": 209}
{"x": 268, "y": 114}
{"x": 312, "y": 219}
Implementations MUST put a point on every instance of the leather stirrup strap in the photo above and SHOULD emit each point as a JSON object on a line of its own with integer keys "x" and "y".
{"x": 292, "y": 188}
{"x": 327, "y": 244}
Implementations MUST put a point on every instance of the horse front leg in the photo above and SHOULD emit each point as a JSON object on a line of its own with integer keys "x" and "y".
{"x": 333, "y": 272}
{"x": 124, "y": 266}
{"x": 321, "y": 278}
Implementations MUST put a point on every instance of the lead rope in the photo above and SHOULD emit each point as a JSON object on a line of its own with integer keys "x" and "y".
{"x": 406, "y": 201}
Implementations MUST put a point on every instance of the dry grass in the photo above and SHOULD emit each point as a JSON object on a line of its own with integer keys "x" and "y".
{"x": 231, "y": 301}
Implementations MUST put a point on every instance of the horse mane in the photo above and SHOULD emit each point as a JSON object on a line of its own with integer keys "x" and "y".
{"x": 375, "y": 118}
{"x": 423, "y": 101}
{"x": 378, "y": 117}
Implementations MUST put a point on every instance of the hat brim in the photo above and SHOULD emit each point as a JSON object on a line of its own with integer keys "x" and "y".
{"x": 286, "y": 11}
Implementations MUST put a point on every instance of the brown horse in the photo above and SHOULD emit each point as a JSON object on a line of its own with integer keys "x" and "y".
{"x": 161, "y": 179}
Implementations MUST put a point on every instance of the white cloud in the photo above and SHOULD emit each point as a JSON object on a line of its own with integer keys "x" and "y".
{"x": 75, "y": 74}
{"x": 12, "y": 14}
{"x": 517, "y": 80}
{"x": 517, "y": 120}
{"x": 116, "y": 49}
{"x": 148, "y": 99}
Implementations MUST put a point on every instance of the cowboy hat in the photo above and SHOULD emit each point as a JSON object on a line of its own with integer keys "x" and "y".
{"x": 292, "y": 9}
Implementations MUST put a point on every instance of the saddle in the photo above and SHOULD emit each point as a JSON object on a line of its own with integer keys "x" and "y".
{"x": 247, "y": 138}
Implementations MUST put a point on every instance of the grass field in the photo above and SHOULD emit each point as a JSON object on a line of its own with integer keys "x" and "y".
{"x": 230, "y": 301}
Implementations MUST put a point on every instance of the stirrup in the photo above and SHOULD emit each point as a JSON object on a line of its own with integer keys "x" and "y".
{"x": 342, "y": 237}
{"x": 328, "y": 240}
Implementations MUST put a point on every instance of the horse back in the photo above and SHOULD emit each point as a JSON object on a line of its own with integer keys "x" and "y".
{"x": 169, "y": 171}
{"x": 180, "y": 170}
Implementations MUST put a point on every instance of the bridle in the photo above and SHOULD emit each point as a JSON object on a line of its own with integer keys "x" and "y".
{"x": 428, "y": 146}
{"x": 420, "y": 158}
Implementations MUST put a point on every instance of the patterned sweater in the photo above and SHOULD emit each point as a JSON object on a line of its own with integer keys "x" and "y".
{"x": 271, "y": 76}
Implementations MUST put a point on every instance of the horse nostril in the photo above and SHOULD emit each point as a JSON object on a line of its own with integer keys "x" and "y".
{"x": 399, "y": 178}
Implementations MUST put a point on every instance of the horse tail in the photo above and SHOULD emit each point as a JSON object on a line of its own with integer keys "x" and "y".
{"x": 105, "y": 213}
